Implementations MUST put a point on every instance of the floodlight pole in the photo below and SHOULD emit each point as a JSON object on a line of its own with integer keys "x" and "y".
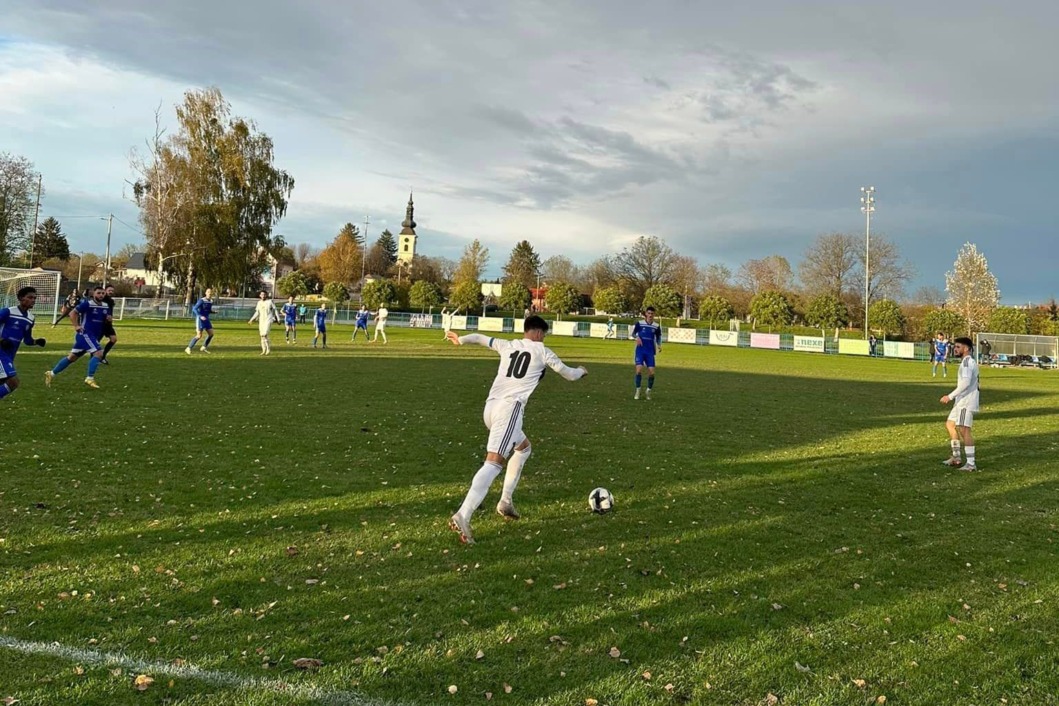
{"x": 867, "y": 207}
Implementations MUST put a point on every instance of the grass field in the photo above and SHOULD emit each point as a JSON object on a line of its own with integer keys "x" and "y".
{"x": 784, "y": 532}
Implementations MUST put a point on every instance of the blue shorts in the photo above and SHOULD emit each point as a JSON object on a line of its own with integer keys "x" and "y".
{"x": 645, "y": 356}
{"x": 940, "y": 359}
{"x": 201, "y": 325}
{"x": 290, "y": 322}
{"x": 321, "y": 328}
{"x": 363, "y": 325}
{"x": 7, "y": 366}
{"x": 85, "y": 343}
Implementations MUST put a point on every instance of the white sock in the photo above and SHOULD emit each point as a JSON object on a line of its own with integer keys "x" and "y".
{"x": 514, "y": 471}
{"x": 970, "y": 454}
{"x": 955, "y": 444}
{"x": 479, "y": 488}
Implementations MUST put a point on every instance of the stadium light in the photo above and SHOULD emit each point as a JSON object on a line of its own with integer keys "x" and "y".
{"x": 867, "y": 207}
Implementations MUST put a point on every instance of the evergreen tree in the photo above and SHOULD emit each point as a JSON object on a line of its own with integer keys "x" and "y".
{"x": 523, "y": 266}
{"x": 388, "y": 244}
{"x": 50, "y": 242}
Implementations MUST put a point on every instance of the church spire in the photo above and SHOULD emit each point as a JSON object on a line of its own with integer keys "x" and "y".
{"x": 408, "y": 225}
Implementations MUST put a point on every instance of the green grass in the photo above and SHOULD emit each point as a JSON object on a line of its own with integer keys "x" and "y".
{"x": 783, "y": 526}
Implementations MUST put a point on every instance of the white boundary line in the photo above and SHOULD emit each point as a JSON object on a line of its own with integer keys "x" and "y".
{"x": 156, "y": 669}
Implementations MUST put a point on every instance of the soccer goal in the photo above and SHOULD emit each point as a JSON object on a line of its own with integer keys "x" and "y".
{"x": 46, "y": 282}
{"x": 1004, "y": 349}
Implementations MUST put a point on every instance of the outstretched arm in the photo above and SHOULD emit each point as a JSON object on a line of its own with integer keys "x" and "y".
{"x": 555, "y": 363}
{"x": 475, "y": 338}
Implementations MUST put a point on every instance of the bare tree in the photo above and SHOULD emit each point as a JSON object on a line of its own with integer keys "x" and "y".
{"x": 889, "y": 271}
{"x": 685, "y": 281}
{"x": 772, "y": 273}
{"x": 829, "y": 265}
{"x": 972, "y": 288}
{"x": 931, "y": 297}
{"x": 18, "y": 193}
{"x": 303, "y": 252}
{"x": 715, "y": 278}
{"x": 645, "y": 263}
{"x": 559, "y": 268}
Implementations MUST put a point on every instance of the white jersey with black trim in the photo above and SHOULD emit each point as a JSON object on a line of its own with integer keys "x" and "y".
{"x": 965, "y": 395}
{"x": 522, "y": 365}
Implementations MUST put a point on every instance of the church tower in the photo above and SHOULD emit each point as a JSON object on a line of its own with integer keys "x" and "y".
{"x": 406, "y": 241}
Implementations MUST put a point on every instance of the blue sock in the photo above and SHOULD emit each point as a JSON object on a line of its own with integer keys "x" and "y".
{"x": 4, "y": 391}
{"x": 650, "y": 381}
{"x": 93, "y": 365}
{"x": 193, "y": 339}
{"x": 639, "y": 379}
{"x": 61, "y": 366}
{"x": 208, "y": 339}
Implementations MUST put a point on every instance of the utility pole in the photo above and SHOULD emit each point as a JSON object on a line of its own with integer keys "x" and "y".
{"x": 364, "y": 253}
{"x": 106, "y": 265}
{"x": 36, "y": 215}
{"x": 867, "y": 207}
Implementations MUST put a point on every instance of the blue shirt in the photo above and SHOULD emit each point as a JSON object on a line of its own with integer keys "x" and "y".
{"x": 941, "y": 348}
{"x": 649, "y": 334}
{"x": 362, "y": 318}
{"x": 16, "y": 328}
{"x": 92, "y": 315}
{"x": 203, "y": 307}
{"x": 321, "y": 317}
{"x": 290, "y": 311}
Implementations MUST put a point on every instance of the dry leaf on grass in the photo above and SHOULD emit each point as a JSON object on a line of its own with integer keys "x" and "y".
{"x": 615, "y": 652}
{"x": 142, "y": 682}
{"x": 646, "y": 676}
{"x": 308, "y": 663}
{"x": 860, "y": 683}
{"x": 591, "y": 702}
{"x": 10, "y": 701}
{"x": 479, "y": 655}
{"x": 453, "y": 689}
{"x": 507, "y": 688}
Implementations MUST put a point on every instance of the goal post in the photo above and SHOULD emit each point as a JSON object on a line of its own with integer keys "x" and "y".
{"x": 46, "y": 282}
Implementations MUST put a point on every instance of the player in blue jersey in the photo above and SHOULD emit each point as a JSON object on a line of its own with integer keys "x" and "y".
{"x": 290, "y": 321}
{"x": 941, "y": 356}
{"x": 202, "y": 310}
{"x": 108, "y": 328}
{"x": 361, "y": 323}
{"x": 320, "y": 324}
{"x": 648, "y": 337}
{"x": 88, "y": 318}
{"x": 16, "y": 328}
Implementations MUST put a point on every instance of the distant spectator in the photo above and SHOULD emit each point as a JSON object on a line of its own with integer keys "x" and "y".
{"x": 302, "y": 311}
{"x": 872, "y": 343}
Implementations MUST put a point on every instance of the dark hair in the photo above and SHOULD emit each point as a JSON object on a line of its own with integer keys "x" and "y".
{"x": 535, "y": 323}
{"x": 26, "y": 290}
{"x": 649, "y": 309}
{"x": 964, "y": 341}
{"x": 97, "y": 288}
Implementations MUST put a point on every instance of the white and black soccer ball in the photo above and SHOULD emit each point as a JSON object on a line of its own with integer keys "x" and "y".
{"x": 600, "y": 500}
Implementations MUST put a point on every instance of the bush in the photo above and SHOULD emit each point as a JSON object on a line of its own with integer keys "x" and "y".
{"x": 886, "y": 316}
{"x": 715, "y": 309}
{"x": 378, "y": 293}
{"x": 770, "y": 309}
{"x": 336, "y": 292}
{"x": 665, "y": 301}
{"x": 611, "y": 300}
{"x": 826, "y": 311}
{"x": 424, "y": 295}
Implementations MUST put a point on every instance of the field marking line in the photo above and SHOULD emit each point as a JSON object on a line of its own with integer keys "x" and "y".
{"x": 156, "y": 669}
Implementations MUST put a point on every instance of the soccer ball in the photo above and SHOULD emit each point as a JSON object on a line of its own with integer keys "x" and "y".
{"x": 600, "y": 500}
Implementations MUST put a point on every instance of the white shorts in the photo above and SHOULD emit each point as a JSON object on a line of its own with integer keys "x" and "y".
{"x": 962, "y": 416}
{"x": 380, "y": 325}
{"x": 503, "y": 419}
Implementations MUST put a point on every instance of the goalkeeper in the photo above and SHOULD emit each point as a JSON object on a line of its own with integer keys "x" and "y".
{"x": 16, "y": 328}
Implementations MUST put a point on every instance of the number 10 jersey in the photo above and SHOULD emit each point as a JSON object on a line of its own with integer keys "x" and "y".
{"x": 522, "y": 365}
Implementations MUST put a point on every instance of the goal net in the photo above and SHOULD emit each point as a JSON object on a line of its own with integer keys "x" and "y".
{"x": 46, "y": 282}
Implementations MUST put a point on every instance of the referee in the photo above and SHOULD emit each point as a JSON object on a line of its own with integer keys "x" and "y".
{"x": 108, "y": 325}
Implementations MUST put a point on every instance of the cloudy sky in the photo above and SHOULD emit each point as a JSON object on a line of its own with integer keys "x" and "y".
{"x": 730, "y": 132}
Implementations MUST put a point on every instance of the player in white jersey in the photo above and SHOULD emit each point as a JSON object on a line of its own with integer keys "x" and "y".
{"x": 523, "y": 363}
{"x": 380, "y": 323}
{"x": 964, "y": 405}
{"x": 265, "y": 314}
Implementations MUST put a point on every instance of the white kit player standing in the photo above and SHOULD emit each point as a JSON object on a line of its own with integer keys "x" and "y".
{"x": 965, "y": 402}
{"x": 523, "y": 363}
